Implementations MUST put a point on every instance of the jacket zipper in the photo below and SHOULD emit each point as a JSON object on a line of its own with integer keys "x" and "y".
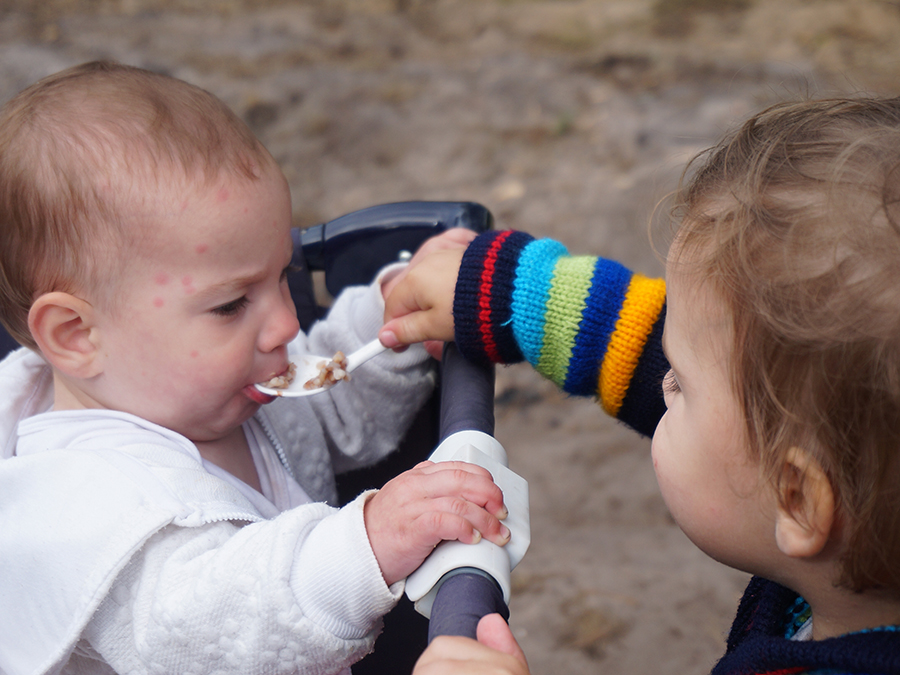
{"x": 270, "y": 434}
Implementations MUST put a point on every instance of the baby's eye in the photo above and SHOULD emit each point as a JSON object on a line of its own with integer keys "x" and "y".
{"x": 231, "y": 308}
{"x": 670, "y": 384}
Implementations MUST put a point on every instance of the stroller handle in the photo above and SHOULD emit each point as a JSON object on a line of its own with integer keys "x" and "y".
{"x": 467, "y": 403}
{"x": 467, "y": 394}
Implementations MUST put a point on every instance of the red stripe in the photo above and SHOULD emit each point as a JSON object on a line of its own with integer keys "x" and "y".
{"x": 484, "y": 296}
{"x": 787, "y": 671}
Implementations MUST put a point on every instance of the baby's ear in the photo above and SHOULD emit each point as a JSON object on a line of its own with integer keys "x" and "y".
{"x": 63, "y": 327}
{"x": 805, "y": 515}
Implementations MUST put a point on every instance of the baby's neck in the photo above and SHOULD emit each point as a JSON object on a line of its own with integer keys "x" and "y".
{"x": 232, "y": 453}
{"x": 67, "y": 397}
{"x": 836, "y": 611}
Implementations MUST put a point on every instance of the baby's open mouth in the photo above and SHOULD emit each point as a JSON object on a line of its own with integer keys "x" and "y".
{"x": 255, "y": 395}
{"x": 283, "y": 380}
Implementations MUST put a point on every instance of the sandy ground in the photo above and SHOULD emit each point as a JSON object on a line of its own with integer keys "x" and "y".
{"x": 568, "y": 119}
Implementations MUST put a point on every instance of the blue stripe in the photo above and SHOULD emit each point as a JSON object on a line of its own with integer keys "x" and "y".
{"x": 604, "y": 302}
{"x": 534, "y": 275}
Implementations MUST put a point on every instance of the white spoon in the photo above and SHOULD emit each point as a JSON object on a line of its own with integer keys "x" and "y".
{"x": 307, "y": 369}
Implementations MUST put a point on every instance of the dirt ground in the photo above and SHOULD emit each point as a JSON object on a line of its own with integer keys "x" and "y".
{"x": 565, "y": 118}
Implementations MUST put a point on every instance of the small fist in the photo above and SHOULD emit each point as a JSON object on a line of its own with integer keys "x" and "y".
{"x": 430, "y": 503}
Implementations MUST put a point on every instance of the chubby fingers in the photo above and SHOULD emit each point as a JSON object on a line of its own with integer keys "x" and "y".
{"x": 430, "y": 503}
{"x": 464, "y": 495}
{"x": 414, "y": 323}
{"x": 427, "y": 327}
{"x": 420, "y": 307}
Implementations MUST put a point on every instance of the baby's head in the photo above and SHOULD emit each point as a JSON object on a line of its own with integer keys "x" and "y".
{"x": 82, "y": 152}
{"x": 793, "y": 224}
{"x": 146, "y": 242}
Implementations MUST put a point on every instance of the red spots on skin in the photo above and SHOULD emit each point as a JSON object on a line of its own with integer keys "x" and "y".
{"x": 202, "y": 248}
{"x": 162, "y": 278}
{"x": 158, "y": 302}
{"x": 222, "y": 195}
{"x": 188, "y": 284}
{"x": 195, "y": 354}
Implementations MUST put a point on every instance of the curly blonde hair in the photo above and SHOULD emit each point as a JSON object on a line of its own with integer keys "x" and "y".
{"x": 795, "y": 219}
{"x": 79, "y": 145}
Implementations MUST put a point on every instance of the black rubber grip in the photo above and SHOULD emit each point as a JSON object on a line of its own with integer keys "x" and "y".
{"x": 460, "y": 603}
{"x": 467, "y": 394}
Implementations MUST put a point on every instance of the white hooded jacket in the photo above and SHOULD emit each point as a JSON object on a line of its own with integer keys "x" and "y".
{"x": 121, "y": 551}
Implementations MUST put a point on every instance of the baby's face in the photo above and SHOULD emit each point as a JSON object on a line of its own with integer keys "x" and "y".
{"x": 206, "y": 312}
{"x": 710, "y": 483}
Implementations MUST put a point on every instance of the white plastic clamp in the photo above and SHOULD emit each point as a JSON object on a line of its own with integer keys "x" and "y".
{"x": 484, "y": 450}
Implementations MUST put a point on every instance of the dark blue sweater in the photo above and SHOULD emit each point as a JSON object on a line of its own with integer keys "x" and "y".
{"x": 758, "y": 641}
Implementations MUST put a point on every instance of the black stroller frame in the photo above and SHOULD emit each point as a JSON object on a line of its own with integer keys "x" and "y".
{"x": 350, "y": 250}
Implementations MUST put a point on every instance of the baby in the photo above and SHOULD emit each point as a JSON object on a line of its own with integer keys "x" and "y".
{"x": 777, "y": 449}
{"x": 153, "y": 517}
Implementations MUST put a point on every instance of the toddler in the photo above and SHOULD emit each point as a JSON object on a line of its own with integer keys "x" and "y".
{"x": 153, "y": 517}
{"x": 777, "y": 449}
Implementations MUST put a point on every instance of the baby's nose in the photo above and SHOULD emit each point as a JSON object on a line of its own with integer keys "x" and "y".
{"x": 282, "y": 327}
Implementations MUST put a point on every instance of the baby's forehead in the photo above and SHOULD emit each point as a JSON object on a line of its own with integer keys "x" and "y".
{"x": 145, "y": 134}
{"x": 198, "y": 209}
{"x": 697, "y": 313}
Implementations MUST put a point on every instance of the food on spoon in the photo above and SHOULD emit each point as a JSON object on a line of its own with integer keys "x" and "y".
{"x": 329, "y": 373}
{"x": 282, "y": 381}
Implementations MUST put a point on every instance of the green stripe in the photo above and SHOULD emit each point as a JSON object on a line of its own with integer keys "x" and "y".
{"x": 569, "y": 290}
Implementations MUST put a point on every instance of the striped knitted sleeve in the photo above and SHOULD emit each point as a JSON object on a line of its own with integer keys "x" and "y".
{"x": 586, "y": 323}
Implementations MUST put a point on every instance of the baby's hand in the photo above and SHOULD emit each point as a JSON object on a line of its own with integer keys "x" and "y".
{"x": 425, "y": 297}
{"x": 420, "y": 306}
{"x": 430, "y": 503}
{"x": 454, "y": 238}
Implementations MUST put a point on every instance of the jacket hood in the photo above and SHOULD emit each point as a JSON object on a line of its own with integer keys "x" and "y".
{"x": 26, "y": 381}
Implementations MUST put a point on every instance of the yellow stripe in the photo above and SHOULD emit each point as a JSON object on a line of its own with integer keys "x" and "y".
{"x": 640, "y": 310}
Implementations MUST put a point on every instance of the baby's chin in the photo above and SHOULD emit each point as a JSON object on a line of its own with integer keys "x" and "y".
{"x": 255, "y": 395}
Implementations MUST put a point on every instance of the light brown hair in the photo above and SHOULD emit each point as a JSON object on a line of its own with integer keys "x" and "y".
{"x": 78, "y": 145}
{"x": 795, "y": 219}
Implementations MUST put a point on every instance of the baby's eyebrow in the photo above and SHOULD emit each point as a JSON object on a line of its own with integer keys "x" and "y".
{"x": 227, "y": 286}
{"x": 673, "y": 367}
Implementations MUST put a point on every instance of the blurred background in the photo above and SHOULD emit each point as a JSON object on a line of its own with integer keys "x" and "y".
{"x": 566, "y": 118}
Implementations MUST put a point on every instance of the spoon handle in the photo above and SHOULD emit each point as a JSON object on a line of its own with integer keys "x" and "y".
{"x": 363, "y": 354}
